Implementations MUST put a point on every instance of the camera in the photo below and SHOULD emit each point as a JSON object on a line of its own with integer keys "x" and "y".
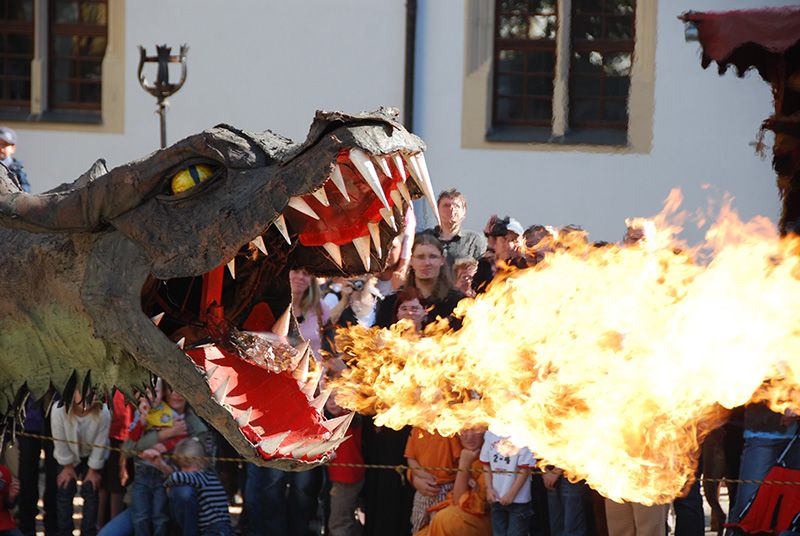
{"x": 356, "y": 284}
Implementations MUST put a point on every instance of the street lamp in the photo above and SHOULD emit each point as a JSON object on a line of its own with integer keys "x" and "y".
{"x": 161, "y": 89}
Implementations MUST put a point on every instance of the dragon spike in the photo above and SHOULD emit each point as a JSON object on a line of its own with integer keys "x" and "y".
{"x": 300, "y": 205}
{"x": 258, "y": 242}
{"x": 338, "y": 180}
{"x": 280, "y": 225}
{"x": 311, "y": 385}
{"x": 69, "y": 389}
{"x": 210, "y": 372}
{"x": 300, "y": 373}
{"x": 319, "y": 402}
{"x": 302, "y": 348}
{"x": 270, "y": 444}
{"x": 375, "y": 233}
{"x": 321, "y": 196}
{"x": 281, "y": 325}
{"x": 222, "y": 391}
{"x": 383, "y": 164}
{"x": 362, "y": 247}
{"x": 323, "y": 447}
{"x": 388, "y": 217}
{"x": 397, "y": 199}
{"x": 341, "y": 428}
{"x": 332, "y": 425}
{"x": 303, "y": 450}
{"x": 398, "y": 163}
{"x": 403, "y": 189}
{"x": 286, "y": 450}
{"x": 419, "y": 172}
{"x": 232, "y": 267}
{"x": 244, "y": 419}
{"x": 86, "y": 390}
{"x": 181, "y": 342}
{"x": 334, "y": 251}
{"x": 367, "y": 170}
{"x": 157, "y": 319}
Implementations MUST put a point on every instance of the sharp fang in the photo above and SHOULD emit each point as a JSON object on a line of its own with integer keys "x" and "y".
{"x": 232, "y": 267}
{"x": 181, "y": 342}
{"x": 222, "y": 391}
{"x": 333, "y": 424}
{"x": 321, "y": 196}
{"x": 300, "y": 373}
{"x": 281, "y": 325}
{"x": 210, "y": 372}
{"x": 375, "y": 233}
{"x": 367, "y": 169}
{"x": 383, "y": 164}
{"x": 388, "y": 217}
{"x": 302, "y": 349}
{"x": 271, "y": 443}
{"x": 157, "y": 319}
{"x": 287, "y": 449}
{"x": 362, "y": 247}
{"x": 397, "y": 198}
{"x": 311, "y": 385}
{"x": 403, "y": 189}
{"x": 338, "y": 180}
{"x": 258, "y": 242}
{"x": 322, "y": 448}
{"x": 280, "y": 225}
{"x": 335, "y": 252}
{"x": 319, "y": 402}
{"x": 341, "y": 429}
{"x": 304, "y": 450}
{"x": 423, "y": 179}
{"x": 244, "y": 419}
{"x": 398, "y": 163}
{"x": 300, "y": 205}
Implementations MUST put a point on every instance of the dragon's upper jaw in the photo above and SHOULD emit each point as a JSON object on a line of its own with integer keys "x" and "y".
{"x": 266, "y": 386}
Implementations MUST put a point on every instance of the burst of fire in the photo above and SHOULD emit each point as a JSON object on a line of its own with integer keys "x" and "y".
{"x": 612, "y": 363}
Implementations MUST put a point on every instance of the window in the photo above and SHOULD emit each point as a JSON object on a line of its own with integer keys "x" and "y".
{"x": 16, "y": 53}
{"x": 555, "y": 73}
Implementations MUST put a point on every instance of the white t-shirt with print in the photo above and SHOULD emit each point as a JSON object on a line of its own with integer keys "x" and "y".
{"x": 499, "y": 453}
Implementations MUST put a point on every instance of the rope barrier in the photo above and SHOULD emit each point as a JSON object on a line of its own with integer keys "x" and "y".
{"x": 400, "y": 469}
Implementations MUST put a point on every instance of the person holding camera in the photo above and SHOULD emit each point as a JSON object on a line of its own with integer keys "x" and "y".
{"x": 359, "y": 300}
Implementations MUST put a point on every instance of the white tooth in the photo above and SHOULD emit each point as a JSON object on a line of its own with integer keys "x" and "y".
{"x": 222, "y": 391}
{"x": 338, "y": 180}
{"x": 304, "y": 450}
{"x": 271, "y": 443}
{"x": 375, "y": 233}
{"x": 287, "y": 449}
{"x": 210, "y": 372}
{"x": 398, "y": 199}
{"x": 244, "y": 419}
{"x": 319, "y": 402}
{"x": 258, "y": 242}
{"x": 362, "y": 247}
{"x": 232, "y": 267}
{"x": 333, "y": 424}
{"x": 322, "y": 448}
{"x": 383, "y": 164}
{"x": 367, "y": 169}
{"x": 280, "y": 225}
{"x": 300, "y": 373}
{"x": 335, "y": 252}
{"x": 302, "y": 349}
{"x": 419, "y": 171}
{"x": 157, "y": 319}
{"x": 281, "y": 325}
{"x": 321, "y": 196}
{"x": 403, "y": 189}
{"x": 300, "y": 205}
{"x": 341, "y": 429}
{"x": 388, "y": 217}
{"x": 398, "y": 163}
{"x": 311, "y": 385}
{"x": 181, "y": 342}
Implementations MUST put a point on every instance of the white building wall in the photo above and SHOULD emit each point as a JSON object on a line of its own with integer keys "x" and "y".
{"x": 254, "y": 64}
{"x": 703, "y": 127}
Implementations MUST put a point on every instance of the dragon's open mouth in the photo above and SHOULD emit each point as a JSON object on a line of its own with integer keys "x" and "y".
{"x": 233, "y": 321}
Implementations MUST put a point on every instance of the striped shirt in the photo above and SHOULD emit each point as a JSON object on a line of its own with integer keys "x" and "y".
{"x": 211, "y": 497}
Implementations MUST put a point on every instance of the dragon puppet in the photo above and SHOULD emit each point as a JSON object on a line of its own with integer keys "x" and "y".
{"x": 120, "y": 276}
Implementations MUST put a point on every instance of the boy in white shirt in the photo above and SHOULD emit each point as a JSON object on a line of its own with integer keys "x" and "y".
{"x": 508, "y": 493}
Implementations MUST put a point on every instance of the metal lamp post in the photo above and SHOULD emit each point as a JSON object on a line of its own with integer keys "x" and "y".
{"x": 161, "y": 89}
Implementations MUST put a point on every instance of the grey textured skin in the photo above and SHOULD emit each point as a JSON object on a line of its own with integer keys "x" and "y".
{"x": 75, "y": 260}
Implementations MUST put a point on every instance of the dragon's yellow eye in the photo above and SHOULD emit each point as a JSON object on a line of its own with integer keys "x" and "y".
{"x": 190, "y": 177}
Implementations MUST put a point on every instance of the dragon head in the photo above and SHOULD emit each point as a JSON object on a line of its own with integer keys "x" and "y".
{"x": 152, "y": 240}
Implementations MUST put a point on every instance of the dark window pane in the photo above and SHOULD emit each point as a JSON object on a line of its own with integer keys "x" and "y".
{"x": 90, "y": 70}
{"x": 63, "y": 92}
{"x": 65, "y": 11}
{"x": 540, "y": 110}
{"x": 92, "y": 46}
{"x": 510, "y": 109}
{"x": 65, "y": 45}
{"x": 92, "y": 13}
{"x": 619, "y": 28}
{"x": 510, "y": 85}
{"x": 617, "y": 87}
{"x": 19, "y": 90}
{"x": 513, "y": 5}
{"x": 590, "y": 62}
{"x": 587, "y": 6}
{"x": 542, "y": 27}
{"x": 618, "y": 64}
{"x": 616, "y": 110}
{"x": 18, "y": 68}
{"x": 510, "y": 60}
{"x": 90, "y": 93}
{"x": 540, "y": 85}
{"x": 20, "y": 44}
{"x": 544, "y": 7}
{"x": 619, "y": 7}
{"x": 513, "y": 27}
{"x": 541, "y": 62}
{"x": 583, "y": 110}
{"x": 17, "y": 10}
{"x": 64, "y": 69}
{"x": 587, "y": 86}
{"x": 587, "y": 27}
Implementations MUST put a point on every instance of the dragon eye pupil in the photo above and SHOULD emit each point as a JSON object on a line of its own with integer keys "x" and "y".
{"x": 190, "y": 177}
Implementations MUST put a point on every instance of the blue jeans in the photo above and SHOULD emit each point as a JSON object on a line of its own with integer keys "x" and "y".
{"x": 511, "y": 520}
{"x": 11, "y": 532}
{"x": 566, "y": 508}
{"x": 65, "y": 497}
{"x": 184, "y": 509}
{"x": 149, "y": 502}
{"x": 120, "y": 525}
{"x": 689, "y": 517}
{"x": 274, "y": 510}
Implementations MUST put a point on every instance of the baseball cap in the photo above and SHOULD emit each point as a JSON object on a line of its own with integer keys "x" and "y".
{"x": 8, "y": 135}
{"x": 507, "y": 225}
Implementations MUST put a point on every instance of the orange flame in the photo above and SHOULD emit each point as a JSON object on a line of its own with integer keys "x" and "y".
{"x": 612, "y": 363}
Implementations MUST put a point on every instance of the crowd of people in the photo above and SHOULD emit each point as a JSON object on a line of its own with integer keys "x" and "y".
{"x": 172, "y": 485}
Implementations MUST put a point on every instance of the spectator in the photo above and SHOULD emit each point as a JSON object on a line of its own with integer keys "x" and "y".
{"x": 509, "y": 493}
{"x": 193, "y": 470}
{"x": 539, "y": 240}
{"x": 394, "y": 275}
{"x": 9, "y": 490}
{"x": 115, "y": 472}
{"x": 565, "y": 503}
{"x": 464, "y": 269}
{"x": 509, "y": 250}
{"x": 358, "y": 304}
{"x": 8, "y": 146}
{"x": 312, "y": 315}
{"x": 457, "y": 242}
{"x": 81, "y": 448}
